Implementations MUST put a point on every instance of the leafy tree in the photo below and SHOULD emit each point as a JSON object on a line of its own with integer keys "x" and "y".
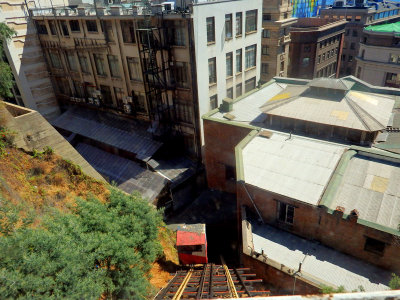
{"x": 6, "y": 77}
{"x": 394, "y": 282}
{"x": 99, "y": 250}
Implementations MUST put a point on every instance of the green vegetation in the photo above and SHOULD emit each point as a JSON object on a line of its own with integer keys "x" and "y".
{"x": 95, "y": 250}
{"x": 6, "y": 139}
{"x": 6, "y": 77}
{"x": 330, "y": 290}
{"x": 394, "y": 282}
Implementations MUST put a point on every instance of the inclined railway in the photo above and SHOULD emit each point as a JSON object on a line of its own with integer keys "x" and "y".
{"x": 210, "y": 281}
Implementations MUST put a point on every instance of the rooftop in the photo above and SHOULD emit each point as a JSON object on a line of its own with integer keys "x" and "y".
{"x": 320, "y": 264}
{"x": 384, "y": 28}
{"x": 289, "y": 165}
{"x": 376, "y": 183}
{"x": 342, "y": 102}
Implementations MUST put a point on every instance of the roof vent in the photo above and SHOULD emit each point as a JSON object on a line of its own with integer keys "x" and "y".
{"x": 353, "y": 216}
{"x": 227, "y": 105}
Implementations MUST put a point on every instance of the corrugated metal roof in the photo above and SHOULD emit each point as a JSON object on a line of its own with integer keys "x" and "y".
{"x": 331, "y": 83}
{"x": 191, "y": 234}
{"x": 143, "y": 146}
{"x": 371, "y": 186}
{"x": 128, "y": 175}
{"x": 319, "y": 263}
{"x": 357, "y": 110}
{"x": 295, "y": 167}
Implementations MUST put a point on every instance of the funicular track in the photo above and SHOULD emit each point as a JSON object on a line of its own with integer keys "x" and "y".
{"x": 211, "y": 281}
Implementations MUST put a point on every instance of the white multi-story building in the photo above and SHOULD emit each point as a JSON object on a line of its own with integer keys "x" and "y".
{"x": 26, "y": 59}
{"x": 227, "y": 36}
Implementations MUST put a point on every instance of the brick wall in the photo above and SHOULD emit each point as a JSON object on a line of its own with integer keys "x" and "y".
{"x": 316, "y": 223}
{"x": 219, "y": 152}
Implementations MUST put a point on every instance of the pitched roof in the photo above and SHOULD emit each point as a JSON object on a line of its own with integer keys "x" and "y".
{"x": 392, "y": 27}
{"x": 332, "y": 83}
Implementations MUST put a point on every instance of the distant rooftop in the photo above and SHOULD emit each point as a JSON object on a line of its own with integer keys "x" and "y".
{"x": 385, "y": 28}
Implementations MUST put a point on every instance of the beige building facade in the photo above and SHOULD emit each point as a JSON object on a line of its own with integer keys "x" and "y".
{"x": 275, "y": 38}
{"x": 33, "y": 86}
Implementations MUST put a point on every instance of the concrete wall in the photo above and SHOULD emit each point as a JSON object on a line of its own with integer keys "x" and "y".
{"x": 312, "y": 222}
{"x": 218, "y": 9}
{"x": 26, "y": 59}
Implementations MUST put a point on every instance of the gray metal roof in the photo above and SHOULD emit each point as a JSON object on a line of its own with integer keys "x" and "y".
{"x": 371, "y": 186}
{"x": 320, "y": 264}
{"x": 332, "y": 83}
{"x": 137, "y": 143}
{"x": 293, "y": 166}
{"x": 128, "y": 175}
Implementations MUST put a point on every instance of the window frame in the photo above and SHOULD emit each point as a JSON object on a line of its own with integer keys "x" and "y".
{"x": 251, "y": 21}
{"x": 250, "y": 57}
{"x": 239, "y": 24}
{"x": 229, "y": 64}
{"x": 228, "y": 26}
{"x": 239, "y": 61}
{"x": 210, "y": 30}
{"x": 75, "y": 22}
{"x": 283, "y": 216}
{"x": 212, "y": 78}
{"x": 91, "y": 25}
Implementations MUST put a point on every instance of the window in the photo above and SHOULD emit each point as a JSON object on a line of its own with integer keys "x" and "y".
{"x": 347, "y": 32}
{"x": 91, "y": 26}
{"x": 359, "y": 72}
{"x": 139, "y": 101}
{"x": 114, "y": 67}
{"x": 352, "y": 46}
{"x": 323, "y": 57}
{"x": 63, "y": 86}
{"x": 229, "y": 93}
{"x": 251, "y": 20}
{"x": 230, "y": 173}
{"x": 264, "y": 68}
{"x": 238, "y": 60}
{"x": 328, "y": 54}
{"x": 184, "y": 113}
{"x": 265, "y": 50}
{"x": 210, "y": 30}
{"x": 250, "y": 56}
{"x": 306, "y": 61}
{"x": 239, "y": 23}
{"x": 250, "y": 85}
{"x": 79, "y": 92}
{"x": 358, "y": 18}
{"x": 41, "y": 28}
{"x": 119, "y": 95}
{"x": 99, "y": 62}
{"x": 128, "y": 32}
{"x": 83, "y": 61}
{"x": 229, "y": 64}
{"x": 348, "y": 18}
{"x": 64, "y": 28}
{"x": 74, "y": 25}
{"x": 343, "y": 57}
{"x": 181, "y": 76}
{"x": 53, "y": 28}
{"x": 106, "y": 94}
{"x": 266, "y": 17}
{"x": 135, "y": 72}
{"x": 336, "y": 50}
{"x": 282, "y": 65}
{"x": 395, "y": 59}
{"x": 355, "y": 33}
{"x": 266, "y": 33}
{"x": 72, "y": 65}
{"x": 350, "y": 58}
{"x": 319, "y": 58}
{"x": 55, "y": 60}
{"x": 109, "y": 31}
{"x": 213, "y": 102}
{"x": 212, "y": 71}
{"x": 374, "y": 246}
{"x": 228, "y": 26}
{"x": 178, "y": 37}
{"x": 307, "y": 48}
{"x": 238, "y": 90}
{"x": 285, "y": 213}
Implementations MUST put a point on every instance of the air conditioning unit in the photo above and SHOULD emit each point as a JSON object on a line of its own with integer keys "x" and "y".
{"x": 97, "y": 102}
{"x": 127, "y": 108}
{"x": 91, "y": 100}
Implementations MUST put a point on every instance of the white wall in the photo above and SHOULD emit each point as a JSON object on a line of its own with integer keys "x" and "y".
{"x": 218, "y": 9}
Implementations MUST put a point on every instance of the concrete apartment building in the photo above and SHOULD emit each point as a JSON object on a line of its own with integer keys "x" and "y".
{"x": 316, "y": 182}
{"x": 33, "y": 86}
{"x": 276, "y": 22}
{"x": 358, "y": 16}
{"x": 108, "y": 58}
{"x": 378, "y": 60}
{"x": 315, "y": 48}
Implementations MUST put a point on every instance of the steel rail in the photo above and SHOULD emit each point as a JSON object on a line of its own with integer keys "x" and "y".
{"x": 231, "y": 286}
{"x": 182, "y": 287}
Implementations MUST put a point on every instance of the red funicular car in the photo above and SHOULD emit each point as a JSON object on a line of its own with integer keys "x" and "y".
{"x": 191, "y": 242}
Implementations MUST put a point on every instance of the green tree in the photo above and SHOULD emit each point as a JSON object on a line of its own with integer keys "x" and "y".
{"x": 394, "y": 282}
{"x": 100, "y": 249}
{"x": 6, "y": 77}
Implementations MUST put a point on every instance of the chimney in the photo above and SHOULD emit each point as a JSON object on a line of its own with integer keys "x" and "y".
{"x": 353, "y": 216}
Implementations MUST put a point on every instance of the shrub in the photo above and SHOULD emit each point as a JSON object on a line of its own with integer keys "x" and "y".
{"x": 6, "y": 139}
{"x": 330, "y": 290}
{"x": 394, "y": 282}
